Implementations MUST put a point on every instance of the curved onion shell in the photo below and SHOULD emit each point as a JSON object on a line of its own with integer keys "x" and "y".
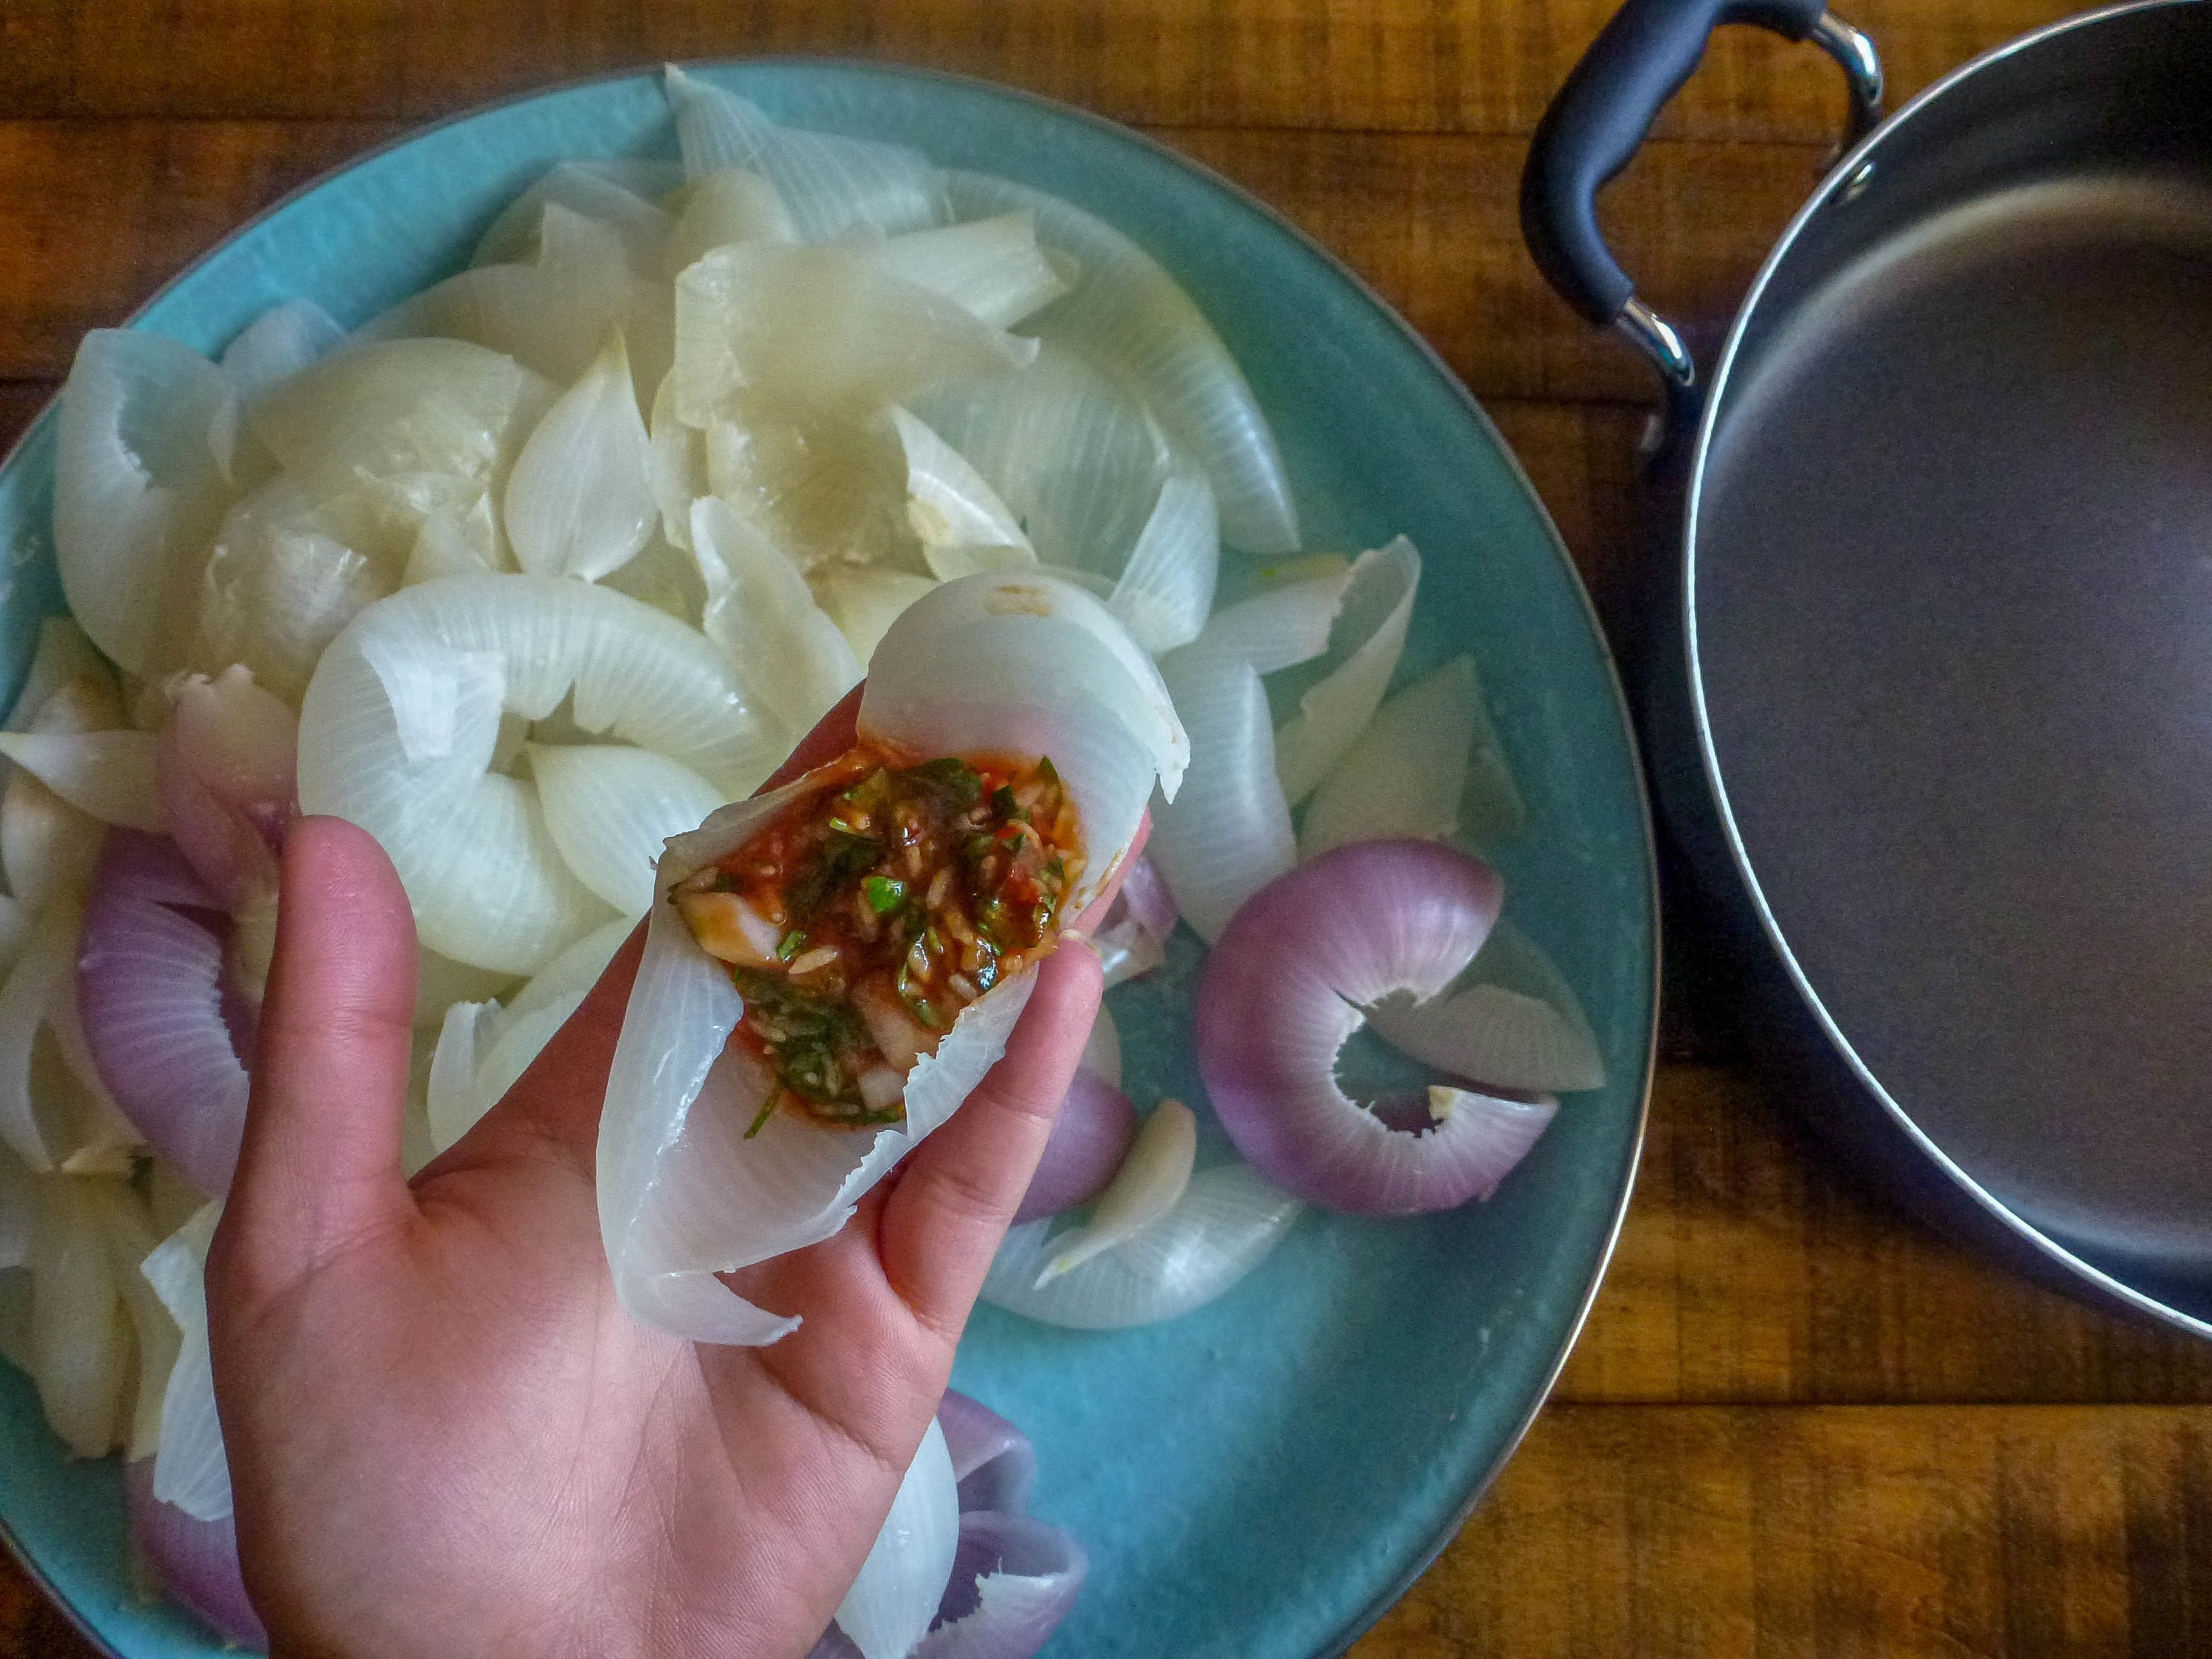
{"x": 984, "y": 665}
{"x": 401, "y": 725}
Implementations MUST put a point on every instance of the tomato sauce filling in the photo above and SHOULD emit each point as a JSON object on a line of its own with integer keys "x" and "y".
{"x": 859, "y": 925}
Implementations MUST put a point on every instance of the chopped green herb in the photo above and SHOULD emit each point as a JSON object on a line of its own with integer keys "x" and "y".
{"x": 760, "y": 1118}
{"x": 844, "y": 856}
{"x": 790, "y": 945}
{"x": 1046, "y": 770}
{"x": 1003, "y": 802}
{"x": 884, "y": 894}
{"x": 952, "y": 778}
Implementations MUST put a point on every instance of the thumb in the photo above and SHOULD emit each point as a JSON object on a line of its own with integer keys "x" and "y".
{"x": 320, "y": 1163}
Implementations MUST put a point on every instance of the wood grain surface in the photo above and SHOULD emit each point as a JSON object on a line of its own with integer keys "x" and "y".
{"x": 1798, "y": 1423}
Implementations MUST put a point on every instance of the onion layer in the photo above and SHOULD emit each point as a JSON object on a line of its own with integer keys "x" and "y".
{"x": 1284, "y": 989}
{"x": 1090, "y": 1139}
{"x": 196, "y": 1561}
{"x": 149, "y": 972}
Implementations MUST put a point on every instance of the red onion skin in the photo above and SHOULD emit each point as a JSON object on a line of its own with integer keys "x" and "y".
{"x": 196, "y": 1561}
{"x": 1148, "y": 899}
{"x": 1089, "y": 1138}
{"x": 991, "y": 1459}
{"x": 149, "y": 984}
{"x": 1353, "y": 923}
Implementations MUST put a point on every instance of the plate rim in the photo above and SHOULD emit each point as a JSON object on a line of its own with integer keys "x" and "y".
{"x": 1348, "y": 1631}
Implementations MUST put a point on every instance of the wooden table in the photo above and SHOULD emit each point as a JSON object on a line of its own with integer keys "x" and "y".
{"x": 1797, "y": 1424}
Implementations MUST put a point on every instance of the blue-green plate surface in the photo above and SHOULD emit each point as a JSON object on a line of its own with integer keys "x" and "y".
{"x": 1259, "y": 1479}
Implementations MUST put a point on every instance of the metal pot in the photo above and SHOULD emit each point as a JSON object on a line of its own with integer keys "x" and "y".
{"x": 1929, "y": 700}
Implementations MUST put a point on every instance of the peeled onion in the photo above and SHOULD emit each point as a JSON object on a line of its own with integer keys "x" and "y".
{"x": 1284, "y": 989}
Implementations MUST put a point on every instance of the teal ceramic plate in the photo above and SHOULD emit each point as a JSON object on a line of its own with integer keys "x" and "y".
{"x": 1257, "y": 1479}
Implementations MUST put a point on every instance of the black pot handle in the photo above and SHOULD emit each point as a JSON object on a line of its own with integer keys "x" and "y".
{"x": 1600, "y": 119}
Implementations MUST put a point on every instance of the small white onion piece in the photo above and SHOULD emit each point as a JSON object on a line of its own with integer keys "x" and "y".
{"x": 127, "y": 1228}
{"x": 228, "y": 764}
{"x": 900, "y": 1585}
{"x": 81, "y": 1339}
{"x": 1166, "y": 590}
{"x": 1091, "y": 1138}
{"x": 549, "y": 315}
{"x": 280, "y": 583}
{"x": 539, "y": 1010}
{"x": 1512, "y": 1021}
{"x": 1227, "y": 1223}
{"x": 107, "y": 775}
{"x": 1364, "y": 644}
{"x": 1402, "y": 778}
{"x": 819, "y": 329}
{"x": 621, "y": 193}
{"x": 403, "y": 719}
{"x": 137, "y": 488}
{"x": 831, "y": 184}
{"x": 1151, "y": 1180}
{"x": 1230, "y": 833}
{"x": 440, "y": 982}
{"x": 580, "y": 502}
{"x": 948, "y": 503}
{"x": 30, "y": 990}
{"x": 732, "y": 206}
{"x": 760, "y": 611}
{"x": 399, "y": 407}
{"x": 677, "y": 467}
{"x": 277, "y": 344}
{"x": 987, "y": 665}
{"x": 1073, "y": 455}
{"x": 864, "y": 600}
{"x": 64, "y": 654}
{"x": 1129, "y": 314}
{"x": 991, "y": 267}
{"x": 1284, "y": 989}
{"x": 452, "y": 1100}
{"x": 609, "y": 808}
{"x": 190, "y": 1469}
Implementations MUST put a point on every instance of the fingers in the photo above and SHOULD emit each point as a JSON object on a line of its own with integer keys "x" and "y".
{"x": 321, "y": 1157}
{"x": 949, "y": 1212}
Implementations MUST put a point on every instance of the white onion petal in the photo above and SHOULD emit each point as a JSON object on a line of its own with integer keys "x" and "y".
{"x": 1364, "y": 644}
{"x": 1512, "y": 1021}
{"x": 107, "y": 775}
{"x": 620, "y": 192}
{"x": 895, "y": 1595}
{"x": 278, "y": 343}
{"x": 761, "y": 612}
{"x": 137, "y": 488}
{"x": 1227, "y": 1223}
{"x": 190, "y": 1469}
{"x": 829, "y": 183}
{"x": 864, "y": 600}
{"x": 79, "y": 1338}
{"x": 991, "y": 267}
{"x": 609, "y": 808}
{"x": 580, "y": 502}
{"x": 403, "y": 718}
{"x": 1150, "y": 1182}
{"x": 1402, "y": 778}
{"x": 1128, "y": 314}
{"x": 1166, "y": 590}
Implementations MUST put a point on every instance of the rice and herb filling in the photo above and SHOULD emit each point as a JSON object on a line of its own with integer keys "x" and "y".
{"x": 857, "y": 926}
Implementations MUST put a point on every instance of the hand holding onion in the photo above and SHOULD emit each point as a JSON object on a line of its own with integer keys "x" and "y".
{"x": 446, "y": 1435}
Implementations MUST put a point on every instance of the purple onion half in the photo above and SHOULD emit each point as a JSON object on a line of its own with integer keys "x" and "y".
{"x": 162, "y": 1031}
{"x": 196, "y": 1561}
{"x": 1283, "y": 991}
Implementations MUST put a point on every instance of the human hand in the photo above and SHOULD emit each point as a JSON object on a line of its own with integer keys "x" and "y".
{"x": 445, "y": 1436}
